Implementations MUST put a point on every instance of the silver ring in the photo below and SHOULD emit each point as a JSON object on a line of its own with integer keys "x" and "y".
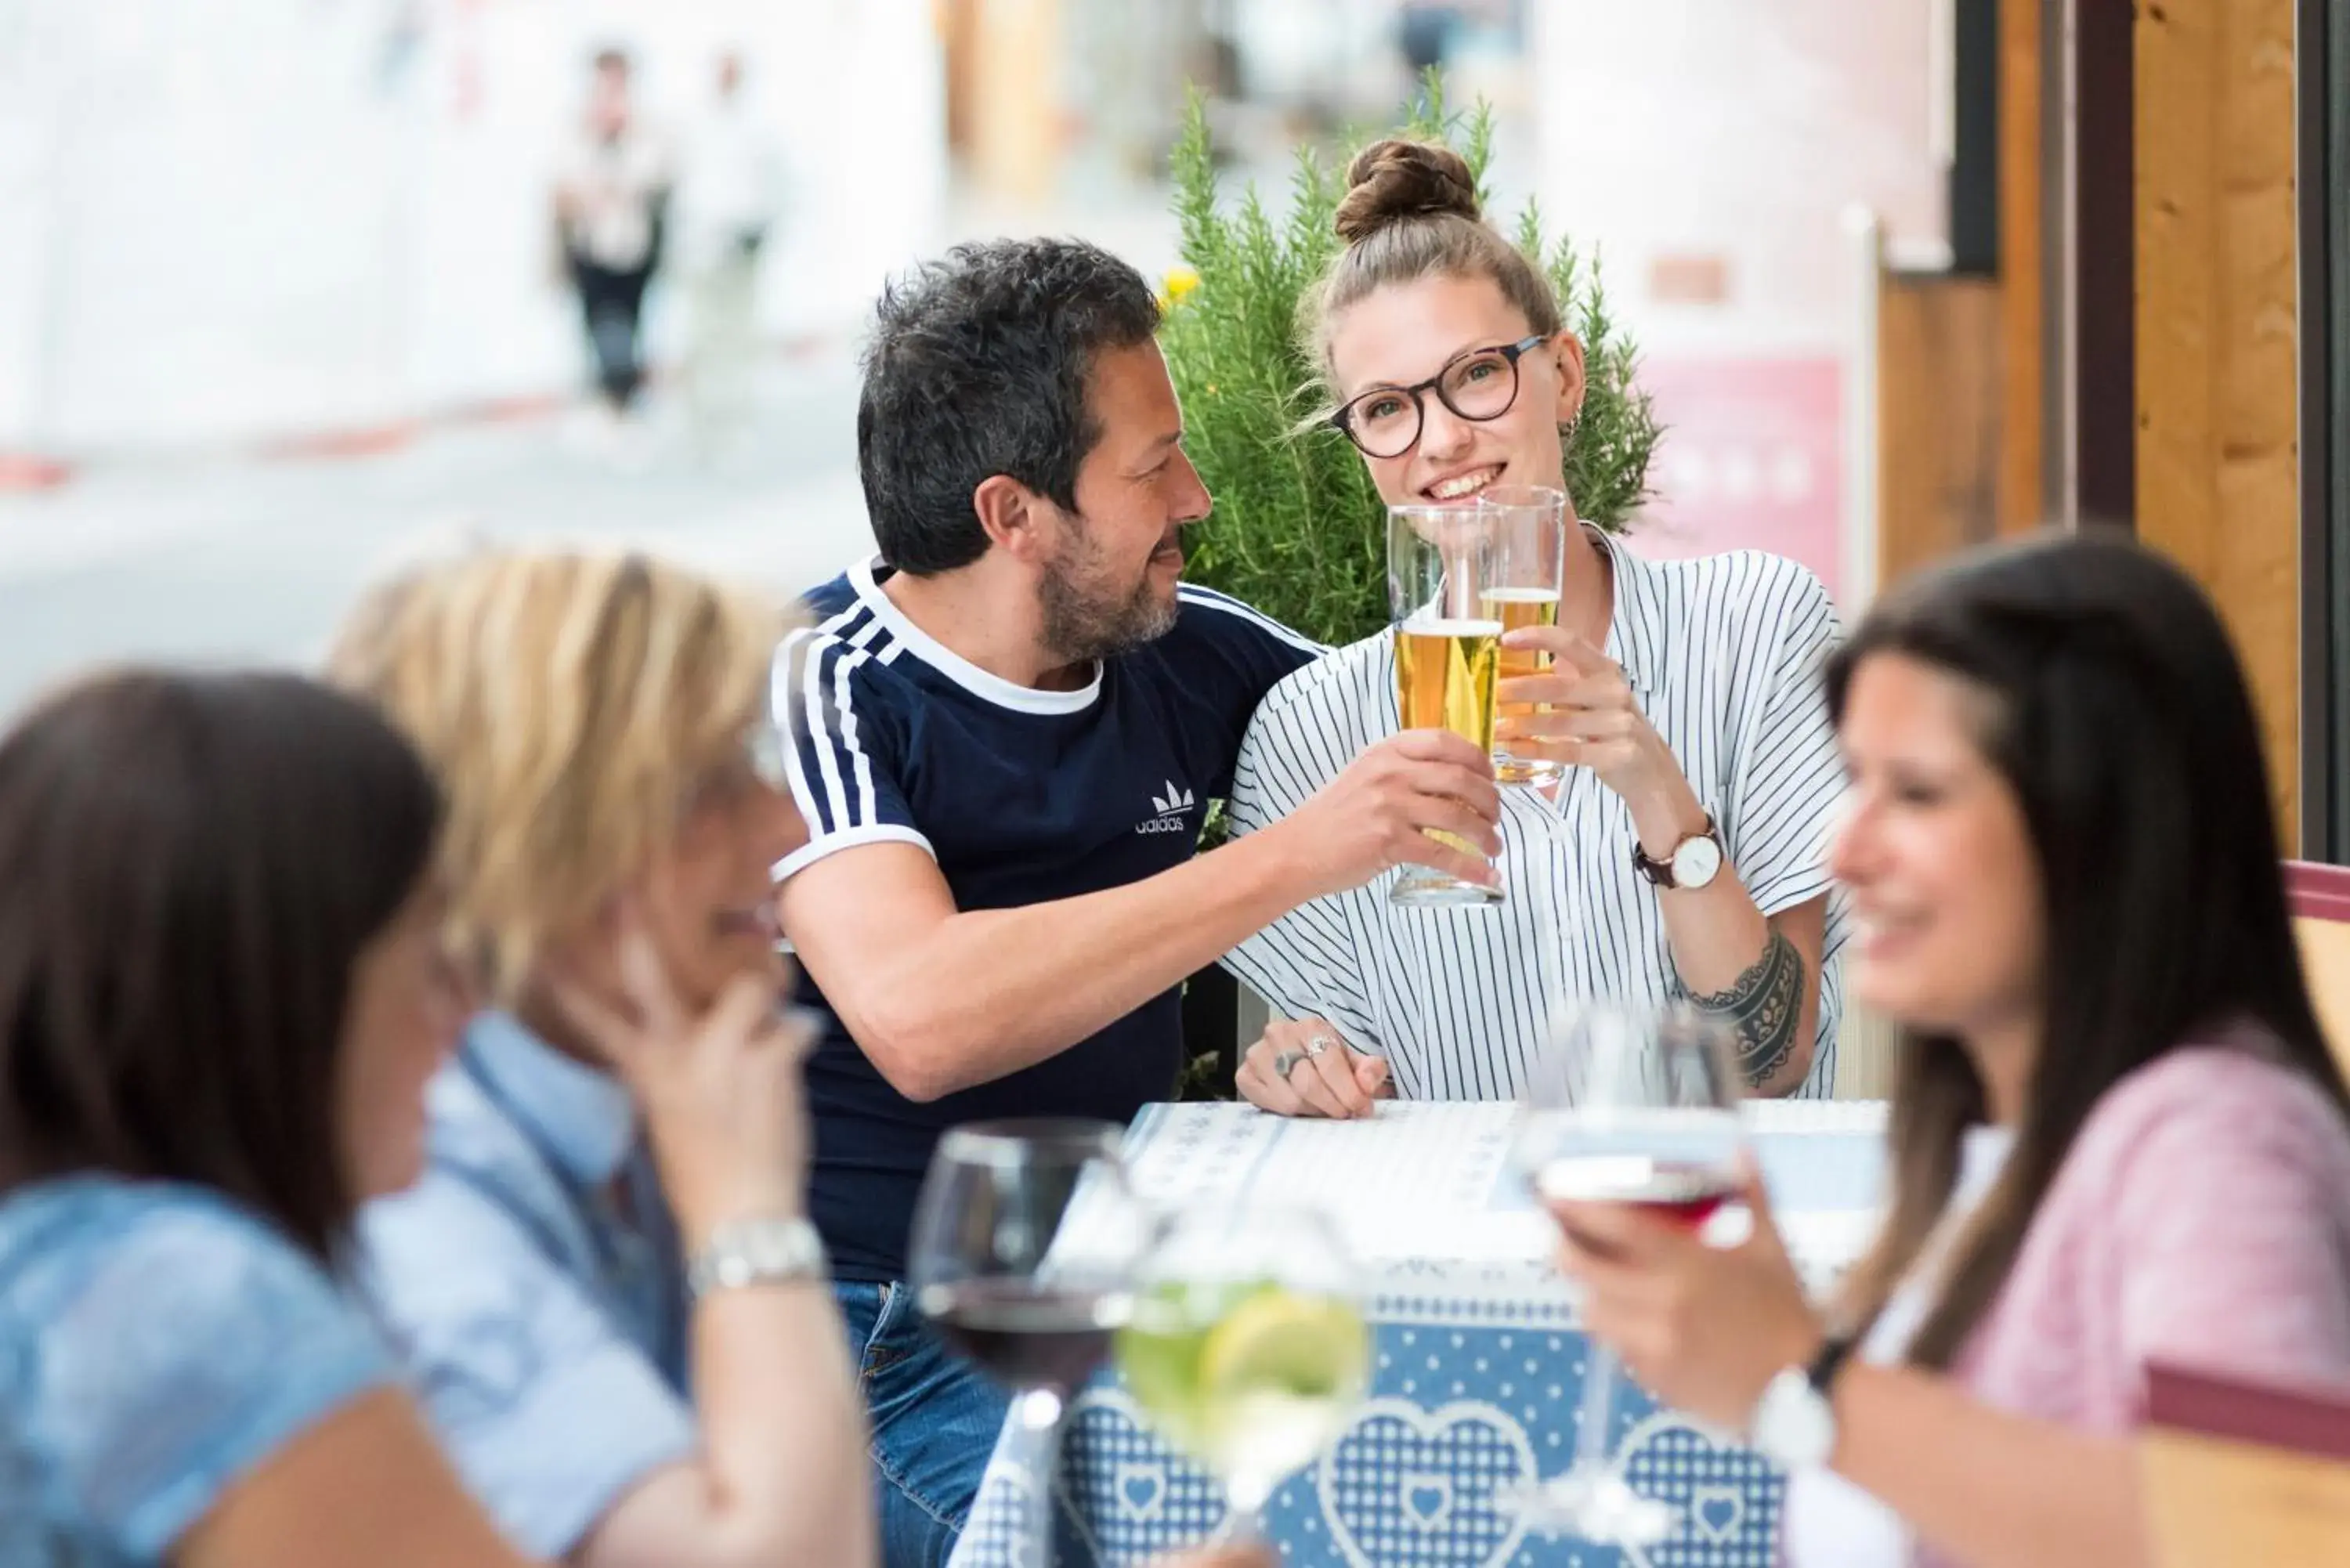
{"x": 1318, "y": 1044}
{"x": 1283, "y": 1061}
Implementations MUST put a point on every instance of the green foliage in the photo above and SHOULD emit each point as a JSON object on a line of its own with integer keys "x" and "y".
{"x": 1298, "y": 530}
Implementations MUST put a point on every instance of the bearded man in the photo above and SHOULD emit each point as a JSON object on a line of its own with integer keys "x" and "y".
{"x": 1011, "y": 723}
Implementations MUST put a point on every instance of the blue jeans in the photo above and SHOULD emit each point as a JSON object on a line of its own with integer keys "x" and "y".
{"x": 935, "y": 1421}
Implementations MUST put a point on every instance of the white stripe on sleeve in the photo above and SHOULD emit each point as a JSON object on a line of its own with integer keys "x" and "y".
{"x": 1209, "y": 598}
{"x": 826, "y": 741}
{"x": 783, "y": 697}
{"x": 867, "y": 811}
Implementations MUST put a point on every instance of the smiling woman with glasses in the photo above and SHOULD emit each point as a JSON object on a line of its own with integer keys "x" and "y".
{"x": 1664, "y": 716}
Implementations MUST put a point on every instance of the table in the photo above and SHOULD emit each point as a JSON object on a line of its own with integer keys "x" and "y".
{"x": 1478, "y": 1361}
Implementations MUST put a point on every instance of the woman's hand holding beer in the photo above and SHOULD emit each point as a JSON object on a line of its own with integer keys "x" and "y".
{"x": 1381, "y": 811}
{"x": 1580, "y": 712}
{"x": 1304, "y": 1067}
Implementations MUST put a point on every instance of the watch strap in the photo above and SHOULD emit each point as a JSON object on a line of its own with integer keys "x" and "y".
{"x": 1835, "y": 1351}
{"x": 756, "y": 1252}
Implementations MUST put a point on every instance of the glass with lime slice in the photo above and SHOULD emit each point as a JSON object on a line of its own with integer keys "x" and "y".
{"x": 1246, "y": 1344}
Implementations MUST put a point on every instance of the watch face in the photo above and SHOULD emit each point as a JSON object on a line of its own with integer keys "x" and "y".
{"x": 1696, "y": 862}
{"x": 1793, "y": 1424}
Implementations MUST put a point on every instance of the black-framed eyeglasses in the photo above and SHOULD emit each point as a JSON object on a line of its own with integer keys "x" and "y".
{"x": 1479, "y": 385}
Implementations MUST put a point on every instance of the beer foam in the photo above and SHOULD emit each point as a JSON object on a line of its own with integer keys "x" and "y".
{"x": 1519, "y": 595}
{"x": 1451, "y": 627}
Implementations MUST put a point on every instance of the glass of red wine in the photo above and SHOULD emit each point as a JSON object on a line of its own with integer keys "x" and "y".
{"x": 1022, "y": 1256}
{"x": 1628, "y": 1104}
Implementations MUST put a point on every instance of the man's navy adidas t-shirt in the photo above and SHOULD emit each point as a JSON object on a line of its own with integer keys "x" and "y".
{"x": 1022, "y": 797}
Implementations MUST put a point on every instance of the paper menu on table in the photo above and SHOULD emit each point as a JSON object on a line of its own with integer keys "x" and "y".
{"x": 1416, "y": 1156}
{"x": 1429, "y": 1183}
{"x": 1419, "y": 1154}
{"x": 1416, "y": 1180}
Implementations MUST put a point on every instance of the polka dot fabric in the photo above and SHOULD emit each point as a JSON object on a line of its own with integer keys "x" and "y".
{"x": 1458, "y": 1417}
{"x": 1479, "y": 1364}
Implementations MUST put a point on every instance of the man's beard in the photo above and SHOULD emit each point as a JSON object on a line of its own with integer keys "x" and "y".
{"x": 1083, "y": 621}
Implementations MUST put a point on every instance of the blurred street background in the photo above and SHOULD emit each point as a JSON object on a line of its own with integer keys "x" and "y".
{"x": 280, "y": 297}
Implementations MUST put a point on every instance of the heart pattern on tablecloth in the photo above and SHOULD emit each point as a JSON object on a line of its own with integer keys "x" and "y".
{"x": 1138, "y": 1490}
{"x": 1131, "y": 1495}
{"x": 1716, "y": 1512}
{"x": 1427, "y": 1500}
{"x": 1728, "y": 1497}
{"x": 1000, "y": 1518}
{"x": 1406, "y": 1488}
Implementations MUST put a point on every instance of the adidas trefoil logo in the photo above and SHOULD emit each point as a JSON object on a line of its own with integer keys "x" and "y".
{"x": 1170, "y": 808}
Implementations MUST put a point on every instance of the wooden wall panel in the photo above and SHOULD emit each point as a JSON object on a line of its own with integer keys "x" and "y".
{"x": 2215, "y": 1503}
{"x": 2319, "y": 898}
{"x": 2022, "y": 501}
{"x": 2217, "y": 465}
{"x": 1016, "y": 122}
{"x": 2326, "y": 959}
{"x": 1938, "y": 387}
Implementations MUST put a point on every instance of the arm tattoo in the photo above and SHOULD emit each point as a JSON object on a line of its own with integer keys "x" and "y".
{"x": 1763, "y": 1005}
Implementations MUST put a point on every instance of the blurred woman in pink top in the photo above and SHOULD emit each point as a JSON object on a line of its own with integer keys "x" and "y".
{"x": 2118, "y": 1135}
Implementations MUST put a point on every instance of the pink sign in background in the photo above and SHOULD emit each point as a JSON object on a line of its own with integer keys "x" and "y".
{"x": 1751, "y": 459}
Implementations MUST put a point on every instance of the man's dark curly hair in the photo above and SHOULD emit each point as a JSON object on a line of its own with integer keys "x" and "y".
{"x": 978, "y": 366}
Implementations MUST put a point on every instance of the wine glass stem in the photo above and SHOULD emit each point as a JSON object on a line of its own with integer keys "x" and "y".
{"x": 1593, "y": 1449}
{"x": 1243, "y": 1515}
{"x": 1038, "y": 1413}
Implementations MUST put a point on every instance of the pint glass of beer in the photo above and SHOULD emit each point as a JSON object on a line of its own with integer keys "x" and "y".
{"x": 1529, "y": 523}
{"x": 1447, "y": 652}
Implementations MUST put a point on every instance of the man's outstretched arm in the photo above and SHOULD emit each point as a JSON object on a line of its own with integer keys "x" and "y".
{"x": 941, "y": 999}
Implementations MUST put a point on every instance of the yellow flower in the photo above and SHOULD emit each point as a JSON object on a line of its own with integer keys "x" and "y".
{"x": 1180, "y": 282}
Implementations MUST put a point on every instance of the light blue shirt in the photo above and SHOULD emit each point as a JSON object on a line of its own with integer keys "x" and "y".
{"x": 531, "y": 1281}
{"x": 156, "y": 1344}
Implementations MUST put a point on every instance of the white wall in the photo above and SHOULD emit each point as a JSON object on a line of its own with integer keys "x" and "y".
{"x": 1737, "y": 135}
{"x": 264, "y": 217}
{"x": 1738, "y": 129}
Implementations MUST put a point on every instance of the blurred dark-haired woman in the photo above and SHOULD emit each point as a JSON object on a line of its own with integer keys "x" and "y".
{"x": 221, "y": 992}
{"x": 2118, "y": 1138}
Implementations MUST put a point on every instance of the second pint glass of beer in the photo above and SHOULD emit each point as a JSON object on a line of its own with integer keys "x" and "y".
{"x": 1448, "y": 653}
{"x": 1529, "y": 523}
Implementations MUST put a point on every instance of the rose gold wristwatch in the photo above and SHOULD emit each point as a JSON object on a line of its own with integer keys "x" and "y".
{"x": 1694, "y": 862}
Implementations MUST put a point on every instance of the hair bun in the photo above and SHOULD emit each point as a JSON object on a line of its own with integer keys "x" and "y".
{"x": 1394, "y": 180}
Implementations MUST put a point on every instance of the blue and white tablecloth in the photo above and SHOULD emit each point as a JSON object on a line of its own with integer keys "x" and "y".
{"x": 1479, "y": 1364}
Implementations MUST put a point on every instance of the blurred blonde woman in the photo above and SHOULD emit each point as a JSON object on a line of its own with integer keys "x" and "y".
{"x": 606, "y": 1285}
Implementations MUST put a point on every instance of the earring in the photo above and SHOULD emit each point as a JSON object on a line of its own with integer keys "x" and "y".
{"x": 1566, "y": 432}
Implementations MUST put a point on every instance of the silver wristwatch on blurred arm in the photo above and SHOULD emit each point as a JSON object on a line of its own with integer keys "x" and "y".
{"x": 770, "y": 1251}
{"x": 1794, "y": 1424}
